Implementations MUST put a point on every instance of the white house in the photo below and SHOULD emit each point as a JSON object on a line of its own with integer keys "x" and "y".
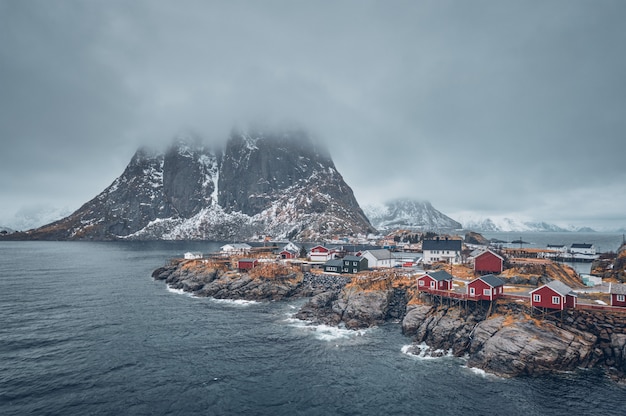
{"x": 442, "y": 249}
{"x": 578, "y": 248}
{"x": 192, "y": 255}
{"x": 379, "y": 258}
{"x": 321, "y": 254}
{"x": 236, "y": 249}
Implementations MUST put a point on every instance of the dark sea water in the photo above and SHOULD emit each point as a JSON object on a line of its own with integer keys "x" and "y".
{"x": 84, "y": 330}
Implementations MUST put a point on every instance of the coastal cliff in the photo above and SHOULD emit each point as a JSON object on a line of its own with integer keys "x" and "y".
{"x": 503, "y": 339}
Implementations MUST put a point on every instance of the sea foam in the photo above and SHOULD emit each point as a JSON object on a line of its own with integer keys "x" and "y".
{"x": 424, "y": 352}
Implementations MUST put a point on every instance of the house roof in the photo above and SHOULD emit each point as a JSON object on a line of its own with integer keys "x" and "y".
{"x": 442, "y": 244}
{"x": 582, "y": 245}
{"x": 440, "y": 275}
{"x": 381, "y": 254}
{"x": 491, "y": 280}
{"x": 618, "y": 289}
{"x": 237, "y": 246}
{"x": 556, "y": 245}
{"x": 247, "y": 260}
{"x": 334, "y": 263}
{"x": 489, "y": 251}
{"x": 559, "y": 287}
{"x": 353, "y": 258}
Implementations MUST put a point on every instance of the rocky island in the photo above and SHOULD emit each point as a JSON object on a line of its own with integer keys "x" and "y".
{"x": 503, "y": 339}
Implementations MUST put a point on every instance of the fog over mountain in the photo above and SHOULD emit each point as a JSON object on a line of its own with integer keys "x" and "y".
{"x": 263, "y": 183}
{"x": 511, "y": 109}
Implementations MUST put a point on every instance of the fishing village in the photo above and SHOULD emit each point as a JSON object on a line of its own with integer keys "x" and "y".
{"x": 510, "y": 311}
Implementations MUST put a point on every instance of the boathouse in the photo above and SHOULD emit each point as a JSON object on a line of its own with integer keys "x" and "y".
{"x": 488, "y": 262}
{"x": 246, "y": 264}
{"x": 439, "y": 280}
{"x": 488, "y": 287}
{"x": 554, "y": 295}
{"x": 618, "y": 295}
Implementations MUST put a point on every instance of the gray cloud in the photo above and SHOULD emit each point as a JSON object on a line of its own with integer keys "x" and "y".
{"x": 498, "y": 108}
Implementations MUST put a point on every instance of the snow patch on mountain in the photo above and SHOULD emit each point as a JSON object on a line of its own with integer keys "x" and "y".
{"x": 513, "y": 224}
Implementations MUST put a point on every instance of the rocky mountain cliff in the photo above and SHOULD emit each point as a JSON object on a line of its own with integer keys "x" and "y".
{"x": 409, "y": 214}
{"x": 262, "y": 183}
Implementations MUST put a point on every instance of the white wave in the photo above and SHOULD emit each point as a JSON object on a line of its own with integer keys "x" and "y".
{"x": 235, "y": 302}
{"x": 326, "y": 332}
{"x": 481, "y": 373}
{"x": 424, "y": 352}
{"x": 178, "y": 291}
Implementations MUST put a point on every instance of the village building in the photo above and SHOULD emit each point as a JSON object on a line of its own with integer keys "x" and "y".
{"x": 333, "y": 266}
{"x": 321, "y": 254}
{"x": 488, "y": 287}
{"x": 192, "y": 255}
{"x": 379, "y": 258}
{"x": 578, "y": 248}
{"x": 442, "y": 249}
{"x": 487, "y": 262}
{"x": 354, "y": 264}
{"x": 439, "y": 280}
{"x": 618, "y": 295}
{"x": 236, "y": 249}
{"x": 288, "y": 254}
{"x": 246, "y": 264}
{"x": 554, "y": 295}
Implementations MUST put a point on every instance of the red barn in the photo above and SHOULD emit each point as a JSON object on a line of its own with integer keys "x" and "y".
{"x": 554, "y": 295}
{"x": 618, "y": 295}
{"x": 488, "y": 262}
{"x": 487, "y": 287}
{"x": 247, "y": 264}
{"x": 440, "y": 280}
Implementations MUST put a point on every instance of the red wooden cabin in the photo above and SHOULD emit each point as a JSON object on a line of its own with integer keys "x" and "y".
{"x": 288, "y": 254}
{"x": 246, "y": 264}
{"x": 439, "y": 280}
{"x": 618, "y": 295}
{"x": 487, "y": 287}
{"x": 488, "y": 262}
{"x": 554, "y": 295}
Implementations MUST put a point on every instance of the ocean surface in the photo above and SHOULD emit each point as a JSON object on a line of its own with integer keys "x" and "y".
{"x": 85, "y": 330}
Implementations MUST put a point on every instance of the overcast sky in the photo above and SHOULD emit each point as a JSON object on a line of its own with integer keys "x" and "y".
{"x": 495, "y": 108}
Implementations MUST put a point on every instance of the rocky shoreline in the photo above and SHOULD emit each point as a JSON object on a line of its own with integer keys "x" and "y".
{"x": 504, "y": 340}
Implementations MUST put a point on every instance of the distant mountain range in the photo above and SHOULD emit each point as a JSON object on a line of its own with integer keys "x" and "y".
{"x": 409, "y": 214}
{"x": 506, "y": 224}
{"x": 276, "y": 183}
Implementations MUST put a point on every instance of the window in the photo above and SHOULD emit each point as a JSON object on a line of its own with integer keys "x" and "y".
{"x": 556, "y": 300}
{"x": 620, "y": 298}
{"x": 536, "y": 298}
{"x": 421, "y": 283}
{"x": 354, "y": 270}
{"x": 486, "y": 292}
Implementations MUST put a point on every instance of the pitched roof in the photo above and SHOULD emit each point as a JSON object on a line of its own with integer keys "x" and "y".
{"x": 442, "y": 244}
{"x": 334, "y": 263}
{"x": 559, "y": 287}
{"x": 618, "y": 289}
{"x": 489, "y": 251}
{"x": 353, "y": 258}
{"x": 491, "y": 280}
{"x": 440, "y": 275}
{"x": 381, "y": 254}
{"x": 582, "y": 245}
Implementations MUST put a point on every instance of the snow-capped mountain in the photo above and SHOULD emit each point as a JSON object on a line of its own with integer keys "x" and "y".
{"x": 507, "y": 224}
{"x": 409, "y": 214}
{"x": 262, "y": 183}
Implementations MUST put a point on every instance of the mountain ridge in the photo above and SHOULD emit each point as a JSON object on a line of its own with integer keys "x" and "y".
{"x": 262, "y": 183}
